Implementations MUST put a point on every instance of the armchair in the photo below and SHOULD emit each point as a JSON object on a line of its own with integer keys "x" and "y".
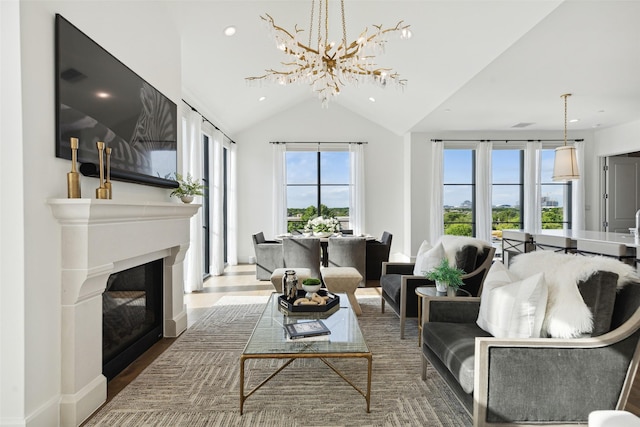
{"x": 377, "y": 252}
{"x": 398, "y": 282}
{"x": 527, "y": 381}
{"x": 268, "y": 256}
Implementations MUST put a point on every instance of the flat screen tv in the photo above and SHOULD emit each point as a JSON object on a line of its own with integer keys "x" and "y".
{"x": 98, "y": 98}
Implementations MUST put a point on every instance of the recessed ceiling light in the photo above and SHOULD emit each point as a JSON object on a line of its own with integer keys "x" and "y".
{"x": 574, "y": 120}
{"x": 372, "y": 99}
{"x": 262, "y": 98}
{"x": 229, "y": 31}
{"x": 103, "y": 95}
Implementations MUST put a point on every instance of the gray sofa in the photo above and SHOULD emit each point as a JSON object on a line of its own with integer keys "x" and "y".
{"x": 531, "y": 381}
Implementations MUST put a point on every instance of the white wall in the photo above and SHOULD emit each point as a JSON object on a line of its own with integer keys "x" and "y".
{"x": 309, "y": 122}
{"x": 142, "y": 36}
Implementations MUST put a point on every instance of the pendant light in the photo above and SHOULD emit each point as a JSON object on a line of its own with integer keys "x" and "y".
{"x": 565, "y": 165}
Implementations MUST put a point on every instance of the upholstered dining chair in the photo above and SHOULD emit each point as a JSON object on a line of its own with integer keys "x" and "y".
{"x": 348, "y": 252}
{"x": 378, "y": 252}
{"x": 268, "y": 256}
{"x": 302, "y": 252}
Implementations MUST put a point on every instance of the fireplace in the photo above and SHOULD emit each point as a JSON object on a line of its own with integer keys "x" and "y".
{"x": 101, "y": 239}
{"x": 131, "y": 315}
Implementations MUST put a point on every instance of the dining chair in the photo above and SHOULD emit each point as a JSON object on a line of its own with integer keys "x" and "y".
{"x": 302, "y": 252}
{"x": 348, "y": 252}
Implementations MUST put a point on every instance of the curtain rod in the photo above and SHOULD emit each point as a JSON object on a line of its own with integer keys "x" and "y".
{"x": 207, "y": 120}
{"x": 506, "y": 140}
{"x": 320, "y": 142}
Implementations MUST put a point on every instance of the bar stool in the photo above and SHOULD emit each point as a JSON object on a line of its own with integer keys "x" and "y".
{"x": 547, "y": 242}
{"x": 515, "y": 242}
{"x": 608, "y": 249}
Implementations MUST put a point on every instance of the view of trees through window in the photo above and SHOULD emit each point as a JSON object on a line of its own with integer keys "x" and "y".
{"x": 507, "y": 192}
{"x": 317, "y": 185}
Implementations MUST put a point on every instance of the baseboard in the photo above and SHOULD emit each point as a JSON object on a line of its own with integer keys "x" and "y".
{"x": 75, "y": 408}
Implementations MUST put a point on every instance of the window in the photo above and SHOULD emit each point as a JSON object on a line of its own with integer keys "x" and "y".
{"x": 459, "y": 192}
{"x": 555, "y": 197}
{"x": 507, "y": 192}
{"x": 206, "y": 241}
{"x": 317, "y": 185}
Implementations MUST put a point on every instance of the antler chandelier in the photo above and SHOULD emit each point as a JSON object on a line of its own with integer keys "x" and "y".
{"x": 328, "y": 66}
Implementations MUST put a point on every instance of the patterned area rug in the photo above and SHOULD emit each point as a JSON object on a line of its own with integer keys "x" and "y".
{"x": 196, "y": 381}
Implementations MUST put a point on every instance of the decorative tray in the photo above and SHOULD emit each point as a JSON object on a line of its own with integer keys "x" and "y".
{"x": 333, "y": 301}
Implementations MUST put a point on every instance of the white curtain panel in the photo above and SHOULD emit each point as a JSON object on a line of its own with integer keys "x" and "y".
{"x": 192, "y": 164}
{"x": 216, "y": 192}
{"x": 232, "y": 205}
{"x": 532, "y": 190}
{"x": 483, "y": 191}
{"x": 279, "y": 189}
{"x": 577, "y": 195}
{"x": 356, "y": 205}
{"x": 436, "y": 228}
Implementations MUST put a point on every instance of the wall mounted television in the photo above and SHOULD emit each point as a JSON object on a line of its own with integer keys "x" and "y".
{"x": 98, "y": 98}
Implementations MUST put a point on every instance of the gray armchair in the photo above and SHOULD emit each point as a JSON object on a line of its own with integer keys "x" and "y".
{"x": 528, "y": 381}
{"x": 348, "y": 252}
{"x": 268, "y": 256}
{"x": 399, "y": 284}
{"x": 302, "y": 252}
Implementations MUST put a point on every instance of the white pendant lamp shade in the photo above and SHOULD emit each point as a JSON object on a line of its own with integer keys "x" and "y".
{"x": 565, "y": 165}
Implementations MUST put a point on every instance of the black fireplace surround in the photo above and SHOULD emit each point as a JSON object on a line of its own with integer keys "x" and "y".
{"x": 131, "y": 315}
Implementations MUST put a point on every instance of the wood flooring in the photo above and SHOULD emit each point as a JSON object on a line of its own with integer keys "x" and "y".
{"x": 240, "y": 280}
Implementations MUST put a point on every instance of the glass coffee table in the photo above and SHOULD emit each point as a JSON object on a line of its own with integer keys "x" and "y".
{"x": 269, "y": 341}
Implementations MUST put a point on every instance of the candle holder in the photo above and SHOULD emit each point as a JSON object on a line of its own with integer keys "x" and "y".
{"x": 73, "y": 177}
{"x": 101, "y": 192}
{"x": 107, "y": 182}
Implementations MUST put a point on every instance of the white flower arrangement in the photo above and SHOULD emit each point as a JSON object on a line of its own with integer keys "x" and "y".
{"x": 322, "y": 225}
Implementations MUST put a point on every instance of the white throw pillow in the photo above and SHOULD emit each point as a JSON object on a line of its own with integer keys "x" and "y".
{"x": 424, "y": 248}
{"x": 512, "y": 308}
{"x": 429, "y": 260}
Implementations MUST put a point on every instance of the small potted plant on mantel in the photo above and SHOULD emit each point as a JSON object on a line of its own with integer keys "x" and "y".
{"x": 448, "y": 279}
{"x": 188, "y": 188}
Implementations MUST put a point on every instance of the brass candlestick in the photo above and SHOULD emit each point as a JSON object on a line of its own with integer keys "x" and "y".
{"x": 107, "y": 183}
{"x": 101, "y": 192}
{"x": 73, "y": 177}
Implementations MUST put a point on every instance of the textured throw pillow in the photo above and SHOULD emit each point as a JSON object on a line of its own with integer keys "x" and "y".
{"x": 424, "y": 248}
{"x": 430, "y": 259}
{"x": 510, "y": 307}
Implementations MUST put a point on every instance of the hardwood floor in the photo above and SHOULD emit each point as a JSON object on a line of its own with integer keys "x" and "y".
{"x": 240, "y": 280}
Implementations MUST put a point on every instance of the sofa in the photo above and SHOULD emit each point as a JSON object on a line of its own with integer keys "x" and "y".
{"x": 558, "y": 367}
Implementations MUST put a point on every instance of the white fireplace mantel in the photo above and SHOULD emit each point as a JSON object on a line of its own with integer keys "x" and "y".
{"x": 101, "y": 237}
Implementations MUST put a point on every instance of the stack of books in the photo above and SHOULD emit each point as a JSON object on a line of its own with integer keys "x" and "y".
{"x": 313, "y": 330}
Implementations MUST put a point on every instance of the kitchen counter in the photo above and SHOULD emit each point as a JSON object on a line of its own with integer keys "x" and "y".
{"x": 597, "y": 236}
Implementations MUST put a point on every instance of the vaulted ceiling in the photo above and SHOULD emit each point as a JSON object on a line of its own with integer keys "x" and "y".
{"x": 478, "y": 65}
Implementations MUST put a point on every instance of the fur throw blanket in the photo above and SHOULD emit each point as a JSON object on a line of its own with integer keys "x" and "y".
{"x": 567, "y": 315}
{"x": 453, "y": 244}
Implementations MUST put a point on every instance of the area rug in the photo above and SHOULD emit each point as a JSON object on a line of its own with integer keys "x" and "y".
{"x": 195, "y": 382}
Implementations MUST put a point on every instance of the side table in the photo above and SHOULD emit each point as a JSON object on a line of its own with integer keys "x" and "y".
{"x": 430, "y": 291}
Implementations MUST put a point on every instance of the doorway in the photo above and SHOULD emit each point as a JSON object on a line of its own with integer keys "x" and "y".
{"x": 622, "y": 192}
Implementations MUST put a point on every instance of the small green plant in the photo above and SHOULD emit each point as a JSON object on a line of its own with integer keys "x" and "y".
{"x": 188, "y": 186}
{"x": 311, "y": 281}
{"x": 444, "y": 273}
